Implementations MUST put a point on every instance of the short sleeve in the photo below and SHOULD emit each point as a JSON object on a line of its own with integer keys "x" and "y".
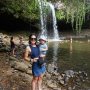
{"x": 28, "y": 48}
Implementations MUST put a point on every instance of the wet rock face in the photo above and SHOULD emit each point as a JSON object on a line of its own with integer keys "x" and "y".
{"x": 59, "y": 5}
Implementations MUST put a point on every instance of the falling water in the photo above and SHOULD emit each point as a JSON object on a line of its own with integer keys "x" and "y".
{"x": 56, "y": 35}
{"x": 42, "y": 5}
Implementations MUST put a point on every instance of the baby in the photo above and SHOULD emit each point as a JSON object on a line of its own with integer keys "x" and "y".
{"x": 43, "y": 49}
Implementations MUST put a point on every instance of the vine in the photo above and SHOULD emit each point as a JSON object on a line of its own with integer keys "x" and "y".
{"x": 75, "y": 13}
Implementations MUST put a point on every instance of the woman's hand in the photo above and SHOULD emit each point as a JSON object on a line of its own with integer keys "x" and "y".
{"x": 34, "y": 60}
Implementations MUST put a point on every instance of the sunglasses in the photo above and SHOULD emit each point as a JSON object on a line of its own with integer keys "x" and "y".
{"x": 33, "y": 39}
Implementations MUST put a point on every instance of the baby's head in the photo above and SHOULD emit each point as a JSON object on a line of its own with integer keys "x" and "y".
{"x": 42, "y": 39}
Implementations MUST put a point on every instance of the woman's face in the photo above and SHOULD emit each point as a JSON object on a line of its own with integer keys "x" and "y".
{"x": 33, "y": 39}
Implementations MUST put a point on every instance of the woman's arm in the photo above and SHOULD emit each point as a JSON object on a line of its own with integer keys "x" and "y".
{"x": 27, "y": 52}
{"x": 27, "y": 58}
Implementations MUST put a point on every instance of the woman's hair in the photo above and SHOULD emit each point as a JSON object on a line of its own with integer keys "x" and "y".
{"x": 31, "y": 36}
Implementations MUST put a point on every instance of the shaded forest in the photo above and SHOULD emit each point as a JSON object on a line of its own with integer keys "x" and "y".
{"x": 25, "y": 15}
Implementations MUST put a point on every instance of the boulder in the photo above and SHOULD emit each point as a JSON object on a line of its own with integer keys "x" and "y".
{"x": 19, "y": 66}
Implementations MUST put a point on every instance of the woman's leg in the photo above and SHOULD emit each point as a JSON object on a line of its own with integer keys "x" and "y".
{"x": 40, "y": 82}
{"x": 34, "y": 83}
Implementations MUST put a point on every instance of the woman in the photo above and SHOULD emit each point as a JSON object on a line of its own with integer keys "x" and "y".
{"x": 37, "y": 71}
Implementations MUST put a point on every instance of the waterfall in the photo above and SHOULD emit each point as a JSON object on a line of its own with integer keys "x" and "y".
{"x": 42, "y": 5}
{"x": 55, "y": 35}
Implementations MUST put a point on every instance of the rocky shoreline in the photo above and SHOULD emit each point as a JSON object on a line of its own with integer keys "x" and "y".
{"x": 16, "y": 74}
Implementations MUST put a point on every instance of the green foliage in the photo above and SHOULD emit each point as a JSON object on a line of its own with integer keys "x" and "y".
{"x": 60, "y": 14}
{"x": 21, "y": 8}
{"x": 88, "y": 6}
{"x": 74, "y": 12}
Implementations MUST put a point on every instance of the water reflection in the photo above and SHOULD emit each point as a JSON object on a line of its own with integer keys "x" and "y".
{"x": 69, "y": 55}
{"x": 71, "y": 46}
{"x": 55, "y": 48}
{"x": 53, "y": 66}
